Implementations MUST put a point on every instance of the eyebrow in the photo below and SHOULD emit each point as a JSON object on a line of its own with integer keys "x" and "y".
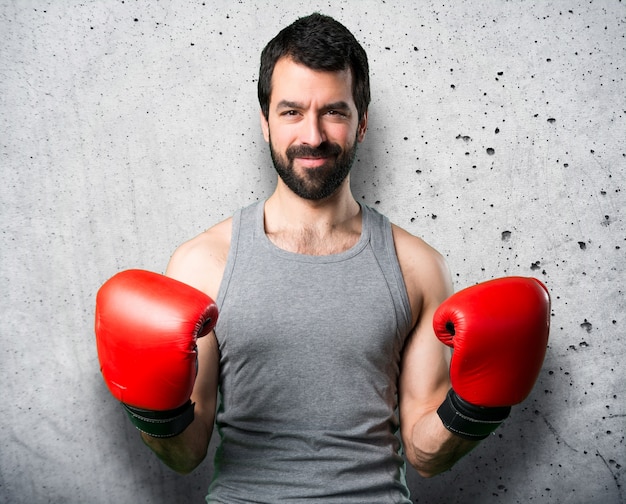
{"x": 340, "y": 105}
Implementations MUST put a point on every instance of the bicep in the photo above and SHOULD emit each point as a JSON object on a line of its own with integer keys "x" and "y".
{"x": 200, "y": 263}
{"x": 424, "y": 379}
{"x": 184, "y": 266}
{"x": 204, "y": 392}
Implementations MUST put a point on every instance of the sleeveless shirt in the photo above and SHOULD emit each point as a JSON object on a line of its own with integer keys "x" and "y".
{"x": 309, "y": 363}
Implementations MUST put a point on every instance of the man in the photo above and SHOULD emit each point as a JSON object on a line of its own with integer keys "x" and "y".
{"x": 326, "y": 311}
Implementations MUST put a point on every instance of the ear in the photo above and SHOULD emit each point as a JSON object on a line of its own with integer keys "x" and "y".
{"x": 362, "y": 128}
{"x": 265, "y": 127}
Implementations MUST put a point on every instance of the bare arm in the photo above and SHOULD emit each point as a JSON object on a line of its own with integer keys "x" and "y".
{"x": 424, "y": 379}
{"x": 430, "y": 447}
{"x": 183, "y": 453}
{"x": 199, "y": 263}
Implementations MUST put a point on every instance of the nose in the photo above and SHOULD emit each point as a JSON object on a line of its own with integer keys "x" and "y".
{"x": 312, "y": 132}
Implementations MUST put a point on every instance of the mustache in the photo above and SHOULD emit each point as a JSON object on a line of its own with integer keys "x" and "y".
{"x": 325, "y": 149}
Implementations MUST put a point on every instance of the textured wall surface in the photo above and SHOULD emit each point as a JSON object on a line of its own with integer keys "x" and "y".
{"x": 497, "y": 133}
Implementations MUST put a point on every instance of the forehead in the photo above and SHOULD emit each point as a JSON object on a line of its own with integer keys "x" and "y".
{"x": 297, "y": 82}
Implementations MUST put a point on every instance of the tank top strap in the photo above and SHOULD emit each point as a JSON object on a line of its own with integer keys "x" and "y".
{"x": 241, "y": 244}
{"x": 383, "y": 246}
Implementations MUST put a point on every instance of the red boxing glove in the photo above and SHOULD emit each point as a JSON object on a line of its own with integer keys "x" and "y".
{"x": 499, "y": 332}
{"x": 146, "y": 330}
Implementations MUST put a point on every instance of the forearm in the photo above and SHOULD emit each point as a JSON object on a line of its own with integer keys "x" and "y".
{"x": 182, "y": 453}
{"x": 431, "y": 448}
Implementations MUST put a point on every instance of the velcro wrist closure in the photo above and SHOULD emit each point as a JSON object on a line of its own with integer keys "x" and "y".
{"x": 161, "y": 424}
{"x": 469, "y": 421}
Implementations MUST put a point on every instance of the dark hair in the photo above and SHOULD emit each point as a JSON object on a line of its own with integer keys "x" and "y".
{"x": 321, "y": 43}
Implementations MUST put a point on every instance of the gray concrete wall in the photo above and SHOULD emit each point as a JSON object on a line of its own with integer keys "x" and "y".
{"x": 497, "y": 133}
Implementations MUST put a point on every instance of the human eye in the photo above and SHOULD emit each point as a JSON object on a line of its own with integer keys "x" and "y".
{"x": 338, "y": 111}
{"x": 289, "y": 113}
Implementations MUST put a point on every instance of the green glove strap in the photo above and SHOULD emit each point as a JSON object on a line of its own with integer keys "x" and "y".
{"x": 161, "y": 424}
{"x": 469, "y": 421}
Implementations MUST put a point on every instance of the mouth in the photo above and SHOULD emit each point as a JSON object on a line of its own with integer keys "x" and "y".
{"x": 313, "y": 157}
{"x": 312, "y": 162}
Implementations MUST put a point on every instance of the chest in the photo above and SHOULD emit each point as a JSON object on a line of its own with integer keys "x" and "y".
{"x": 310, "y": 315}
{"x": 310, "y": 242}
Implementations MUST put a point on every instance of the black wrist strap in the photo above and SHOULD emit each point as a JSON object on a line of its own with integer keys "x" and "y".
{"x": 161, "y": 424}
{"x": 469, "y": 421}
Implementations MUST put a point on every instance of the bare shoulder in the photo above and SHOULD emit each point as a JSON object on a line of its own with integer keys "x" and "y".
{"x": 418, "y": 260}
{"x": 200, "y": 262}
{"x": 424, "y": 269}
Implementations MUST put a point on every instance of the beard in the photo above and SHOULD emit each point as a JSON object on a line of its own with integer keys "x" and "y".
{"x": 316, "y": 183}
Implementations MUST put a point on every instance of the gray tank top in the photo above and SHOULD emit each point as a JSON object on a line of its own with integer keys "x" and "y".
{"x": 309, "y": 361}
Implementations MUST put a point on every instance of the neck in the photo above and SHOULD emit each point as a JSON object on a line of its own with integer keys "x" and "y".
{"x": 322, "y": 227}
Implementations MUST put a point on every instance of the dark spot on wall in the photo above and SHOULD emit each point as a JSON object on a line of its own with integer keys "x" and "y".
{"x": 551, "y": 120}
{"x": 535, "y": 266}
{"x": 491, "y": 151}
{"x": 506, "y": 235}
{"x": 586, "y": 325}
{"x": 582, "y": 245}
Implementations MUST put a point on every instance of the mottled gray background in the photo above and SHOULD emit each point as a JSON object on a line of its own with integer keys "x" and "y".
{"x": 497, "y": 133}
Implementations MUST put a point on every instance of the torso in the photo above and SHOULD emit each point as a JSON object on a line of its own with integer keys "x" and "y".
{"x": 309, "y": 241}
{"x": 214, "y": 244}
{"x": 300, "y": 337}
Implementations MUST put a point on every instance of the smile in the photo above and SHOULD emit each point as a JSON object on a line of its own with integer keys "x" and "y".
{"x": 312, "y": 162}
